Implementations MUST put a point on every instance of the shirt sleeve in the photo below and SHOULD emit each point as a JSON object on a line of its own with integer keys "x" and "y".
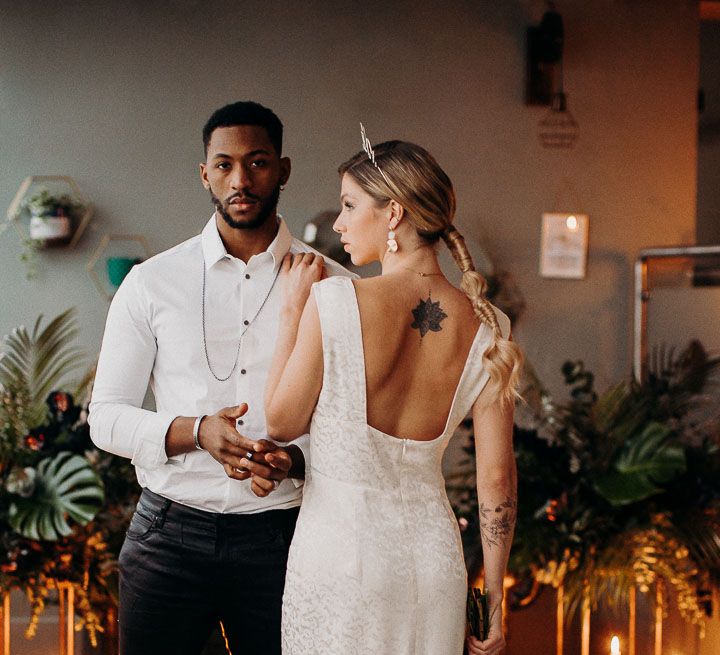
{"x": 303, "y": 443}
{"x": 118, "y": 424}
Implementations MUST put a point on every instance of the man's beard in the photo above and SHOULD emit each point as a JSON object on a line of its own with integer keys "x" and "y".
{"x": 268, "y": 206}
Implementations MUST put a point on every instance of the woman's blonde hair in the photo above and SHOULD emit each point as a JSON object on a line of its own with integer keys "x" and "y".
{"x": 415, "y": 180}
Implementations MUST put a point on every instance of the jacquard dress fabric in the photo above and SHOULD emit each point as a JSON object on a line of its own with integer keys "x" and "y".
{"x": 376, "y": 564}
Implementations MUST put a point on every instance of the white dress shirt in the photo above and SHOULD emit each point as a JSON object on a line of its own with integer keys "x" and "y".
{"x": 154, "y": 334}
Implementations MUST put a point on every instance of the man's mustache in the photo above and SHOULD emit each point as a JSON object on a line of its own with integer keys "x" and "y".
{"x": 242, "y": 196}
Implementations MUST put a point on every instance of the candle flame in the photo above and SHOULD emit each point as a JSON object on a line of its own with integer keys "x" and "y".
{"x": 615, "y": 645}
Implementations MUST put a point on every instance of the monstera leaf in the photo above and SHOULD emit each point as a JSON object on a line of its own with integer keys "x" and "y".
{"x": 65, "y": 487}
{"x": 643, "y": 464}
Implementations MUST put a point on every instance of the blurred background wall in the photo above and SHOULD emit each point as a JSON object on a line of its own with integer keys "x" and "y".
{"x": 115, "y": 95}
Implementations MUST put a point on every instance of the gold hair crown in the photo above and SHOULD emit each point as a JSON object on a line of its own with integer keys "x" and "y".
{"x": 370, "y": 153}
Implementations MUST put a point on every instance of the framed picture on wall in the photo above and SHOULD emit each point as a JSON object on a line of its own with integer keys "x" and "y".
{"x": 564, "y": 245}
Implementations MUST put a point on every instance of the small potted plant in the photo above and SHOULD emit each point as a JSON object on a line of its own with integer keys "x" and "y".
{"x": 52, "y": 218}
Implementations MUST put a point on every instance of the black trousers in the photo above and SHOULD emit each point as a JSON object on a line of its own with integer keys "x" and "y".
{"x": 182, "y": 570}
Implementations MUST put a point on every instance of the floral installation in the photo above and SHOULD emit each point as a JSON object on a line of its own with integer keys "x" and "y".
{"x": 616, "y": 490}
{"x": 64, "y": 505}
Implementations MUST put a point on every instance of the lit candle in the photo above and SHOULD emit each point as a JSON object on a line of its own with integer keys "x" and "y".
{"x": 615, "y": 645}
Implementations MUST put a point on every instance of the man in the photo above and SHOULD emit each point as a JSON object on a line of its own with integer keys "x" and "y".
{"x": 198, "y": 322}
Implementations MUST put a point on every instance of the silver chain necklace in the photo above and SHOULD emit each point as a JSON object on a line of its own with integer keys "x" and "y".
{"x": 242, "y": 334}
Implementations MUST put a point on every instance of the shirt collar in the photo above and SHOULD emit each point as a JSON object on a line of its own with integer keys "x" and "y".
{"x": 214, "y": 249}
{"x": 280, "y": 245}
{"x": 212, "y": 246}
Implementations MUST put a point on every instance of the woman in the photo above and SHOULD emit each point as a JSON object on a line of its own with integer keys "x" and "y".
{"x": 381, "y": 371}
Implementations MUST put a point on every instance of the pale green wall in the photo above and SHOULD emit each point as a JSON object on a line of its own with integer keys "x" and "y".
{"x": 115, "y": 94}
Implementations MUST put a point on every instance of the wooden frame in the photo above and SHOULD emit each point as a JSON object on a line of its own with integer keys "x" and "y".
{"x": 15, "y": 209}
{"x": 91, "y": 266}
{"x": 643, "y": 292}
{"x": 564, "y": 245}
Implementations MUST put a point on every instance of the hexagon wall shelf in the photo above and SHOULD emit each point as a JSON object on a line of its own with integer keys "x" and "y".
{"x": 15, "y": 211}
{"x": 118, "y": 265}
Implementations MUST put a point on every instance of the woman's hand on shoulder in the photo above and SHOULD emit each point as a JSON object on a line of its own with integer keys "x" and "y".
{"x": 297, "y": 274}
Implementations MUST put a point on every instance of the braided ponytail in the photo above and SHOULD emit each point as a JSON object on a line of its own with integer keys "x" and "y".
{"x": 503, "y": 358}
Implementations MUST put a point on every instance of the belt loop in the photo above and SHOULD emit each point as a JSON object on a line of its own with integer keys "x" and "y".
{"x": 160, "y": 518}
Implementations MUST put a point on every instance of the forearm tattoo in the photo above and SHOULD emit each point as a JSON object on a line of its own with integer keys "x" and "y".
{"x": 497, "y": 523}
{"x": 428, "y": 315}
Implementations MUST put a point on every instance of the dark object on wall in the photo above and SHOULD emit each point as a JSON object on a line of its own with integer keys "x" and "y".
{"x": 558, "y": 128}
{"x": 544, "y": 56}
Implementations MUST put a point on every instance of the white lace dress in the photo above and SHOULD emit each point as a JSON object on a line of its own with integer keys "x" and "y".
{"x": 376, "y": 564}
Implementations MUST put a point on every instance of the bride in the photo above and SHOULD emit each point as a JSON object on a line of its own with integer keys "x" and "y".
{"x": 381, "y": 371}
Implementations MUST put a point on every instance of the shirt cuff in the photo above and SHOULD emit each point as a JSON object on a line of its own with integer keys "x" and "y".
{"x": 150, "y": 445}
{"x": 303, "y": 443}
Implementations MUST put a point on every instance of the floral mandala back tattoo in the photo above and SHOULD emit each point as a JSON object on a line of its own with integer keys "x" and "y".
{"x": 428, "y": 316}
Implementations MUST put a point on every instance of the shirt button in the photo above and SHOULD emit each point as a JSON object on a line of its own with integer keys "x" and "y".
{"x": 240, "y": 422}
{"x": 246, "y": 322}
{"x": 243, "y": 371}
{"x": 247, "y": 276}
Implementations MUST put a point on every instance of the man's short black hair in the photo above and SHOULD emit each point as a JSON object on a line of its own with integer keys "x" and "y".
{"x": 245, "y": 113}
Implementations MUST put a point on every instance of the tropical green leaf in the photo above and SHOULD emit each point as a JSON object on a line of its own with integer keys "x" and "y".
{"x": 48, "y": 377}
{"x": 644, "y": 463}
{"x": 609, "y": 405}
{"x": 39, "y": 360}
{"x": 66, "y": 487}
{"x": 82, "y": 390}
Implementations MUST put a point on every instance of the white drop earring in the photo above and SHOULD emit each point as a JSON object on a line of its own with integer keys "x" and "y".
{"x": 392, "y": 244}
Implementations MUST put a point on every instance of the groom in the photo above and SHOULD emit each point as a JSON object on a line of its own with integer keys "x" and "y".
{"x": 198, "y": 322}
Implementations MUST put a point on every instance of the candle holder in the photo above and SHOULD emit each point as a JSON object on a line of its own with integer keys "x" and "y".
{"x": 66, "y": 601}
{"x": 5, "y": 624}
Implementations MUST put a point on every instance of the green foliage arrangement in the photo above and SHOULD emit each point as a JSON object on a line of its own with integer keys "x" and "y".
{"x": 615, "y": 490}
{"x": 44, "y": 203}
{"x": 65, "y": 487}
{"x": 64, "y": 505}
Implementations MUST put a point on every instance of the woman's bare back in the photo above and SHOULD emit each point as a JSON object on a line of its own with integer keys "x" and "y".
{"x": 415, "y": 352}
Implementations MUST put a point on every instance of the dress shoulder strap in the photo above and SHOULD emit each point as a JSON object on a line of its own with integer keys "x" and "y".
{"x": 475, "y": 376}
{"x": 343, "y": 391}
